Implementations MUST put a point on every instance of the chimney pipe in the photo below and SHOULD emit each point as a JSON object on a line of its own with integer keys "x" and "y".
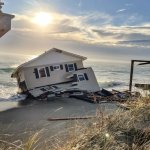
{"x": 1, "y": 3}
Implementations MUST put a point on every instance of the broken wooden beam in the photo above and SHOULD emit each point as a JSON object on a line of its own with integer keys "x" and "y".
{"x": 142, "y": 62}
{"x": 131, "y": 75}
{"x": 71, "y": 118}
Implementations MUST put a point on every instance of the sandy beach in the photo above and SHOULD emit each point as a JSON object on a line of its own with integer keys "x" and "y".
{"x": 19, "y": 123}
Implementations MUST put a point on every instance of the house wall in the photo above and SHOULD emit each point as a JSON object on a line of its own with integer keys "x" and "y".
{"x": 91, "y": 84}
{"x": 56, "y": 76}
{"x": 21, "y": 76}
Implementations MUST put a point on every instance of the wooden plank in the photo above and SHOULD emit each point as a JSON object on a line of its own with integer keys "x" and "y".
{"x": 146, "y": 61}
{"x": 143, "y": 86}
{"x": 70, "y": 118}
{"x": 132, "y": 68}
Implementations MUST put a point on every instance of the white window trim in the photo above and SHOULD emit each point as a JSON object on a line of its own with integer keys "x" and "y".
{"x": 56, "y": 66}
{"x": 40, "y": 74}
{"x": 73, "y": 67}
{"x": 83, "y": 76}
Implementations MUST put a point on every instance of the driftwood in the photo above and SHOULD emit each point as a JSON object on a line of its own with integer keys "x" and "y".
{"x": 71, "y": 118}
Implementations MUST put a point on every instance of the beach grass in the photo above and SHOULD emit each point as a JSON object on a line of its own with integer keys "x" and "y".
{"x": 129, "y": 130}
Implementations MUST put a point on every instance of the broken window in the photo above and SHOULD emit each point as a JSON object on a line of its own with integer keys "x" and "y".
{"x": 42, "y": 72}
{"x": 71, "y": 67}
{"x": 56, "y": 67}
{"x": 23, "y": 86}
{"x": 47, "y": 71}
{"x": 81, "y": 77}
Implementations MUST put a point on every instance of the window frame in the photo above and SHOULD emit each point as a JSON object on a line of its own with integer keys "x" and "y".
{"x": 57, "y": 66}
{"x": 73, "y": 67}
{"x": 44, "y": 71}
{"x": 83, "y": 77}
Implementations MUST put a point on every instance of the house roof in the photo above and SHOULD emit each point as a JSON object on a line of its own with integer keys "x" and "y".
{"x": 4, "y": 14}
{"x": 43, "y": 54}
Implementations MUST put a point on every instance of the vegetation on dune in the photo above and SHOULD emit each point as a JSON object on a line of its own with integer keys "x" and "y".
{"x": 128, "y": 130}
{"x": 123, "y": 130}
{"x": 30, "y": 144}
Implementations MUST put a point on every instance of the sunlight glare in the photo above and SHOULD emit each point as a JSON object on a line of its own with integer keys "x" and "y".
{"x": 43, "y": 18}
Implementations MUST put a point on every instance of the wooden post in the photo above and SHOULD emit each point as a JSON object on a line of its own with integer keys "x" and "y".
{"x": 131, "y": 75}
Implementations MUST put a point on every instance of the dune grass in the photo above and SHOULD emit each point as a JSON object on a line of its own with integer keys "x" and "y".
{"x": 128, "y": 130}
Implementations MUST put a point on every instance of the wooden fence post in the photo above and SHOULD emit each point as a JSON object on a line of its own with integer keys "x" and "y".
{"x": 131, "y": 75}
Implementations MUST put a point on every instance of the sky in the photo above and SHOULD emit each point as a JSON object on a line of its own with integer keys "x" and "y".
{"x": 117, "y": 30}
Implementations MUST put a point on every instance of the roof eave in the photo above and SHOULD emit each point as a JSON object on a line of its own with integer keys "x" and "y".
{"x": 4, "y": 14}
{"x": 85, "y": 58}
{"x": 14, "y": 74}
{"x": 75, "y": 55}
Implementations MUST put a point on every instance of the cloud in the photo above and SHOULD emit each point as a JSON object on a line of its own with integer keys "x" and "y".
{"x": 19, "y": 17}
{"x": 96, "y": 18}
{"x": 128, "y": 4}
{"x": 141, "y": 43}
{"x": 126, "y": 36}
{"x": 104, "y": 33}
{"x": 59, "y": 29}
{"x": 121, "y": 10}
{"x": 80, "y": 3}
{"x": 89, "y": 28}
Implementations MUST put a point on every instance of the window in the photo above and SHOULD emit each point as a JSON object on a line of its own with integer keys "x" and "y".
{"x": 42, "y": 72}
{"x": 56, "y": 67}
{"x": 71, "y": 67}
{"x": 81, "y": 77}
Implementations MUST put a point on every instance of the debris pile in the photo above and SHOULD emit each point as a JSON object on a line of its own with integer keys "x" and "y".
{"x": 103, "y": 95}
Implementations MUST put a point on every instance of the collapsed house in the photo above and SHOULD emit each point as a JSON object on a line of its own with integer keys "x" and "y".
{"x": 58, "y": 73}
{"x": 5, "y": 21}
{"x": 55, "y": 71}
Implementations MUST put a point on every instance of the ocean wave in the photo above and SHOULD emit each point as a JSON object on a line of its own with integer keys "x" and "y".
{"x": 7, "y": 91}
{"x": 109, "y": 84}
{"x": 7, "y": 84}
{"x": 7, "y": 70}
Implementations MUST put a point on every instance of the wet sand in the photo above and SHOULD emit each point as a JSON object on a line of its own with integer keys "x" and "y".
{"x": 21, "y": 122}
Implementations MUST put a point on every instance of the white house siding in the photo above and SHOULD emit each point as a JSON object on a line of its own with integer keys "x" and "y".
{"x": 91, "y": 84}
{"x": 56, "y": 76}
{"x": 53, "y": 57}
{"x": 21, "y": 76}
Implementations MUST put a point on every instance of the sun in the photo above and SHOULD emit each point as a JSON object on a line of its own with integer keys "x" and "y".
{"x": 43, "y": 18}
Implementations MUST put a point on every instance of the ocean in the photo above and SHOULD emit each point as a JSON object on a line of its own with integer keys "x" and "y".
{"x": 110, "y": 75}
